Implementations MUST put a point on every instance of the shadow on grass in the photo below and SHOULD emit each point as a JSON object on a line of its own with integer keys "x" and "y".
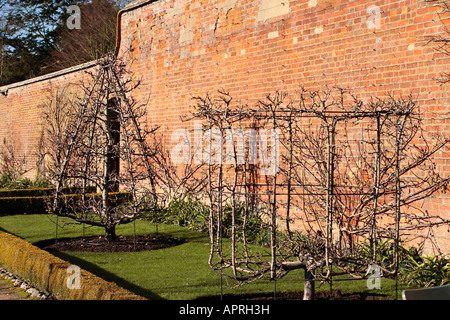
{"x": 185, "y": 235}
{"x": 11, "y": 233}
{"x": 108, "y": 276}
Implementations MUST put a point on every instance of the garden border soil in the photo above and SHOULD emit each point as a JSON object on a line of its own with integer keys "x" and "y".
{"x": 50, "y": 274}
{"x": 100, "y": 244}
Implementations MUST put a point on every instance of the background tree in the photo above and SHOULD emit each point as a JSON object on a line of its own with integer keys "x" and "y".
{"x": 30, "y": 29}
{"x": 95, "y": 37}
{"x": 35, "y": 39}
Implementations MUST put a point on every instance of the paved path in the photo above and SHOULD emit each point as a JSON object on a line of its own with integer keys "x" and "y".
{"x": 9, "y": 292}
{"x": 12, "y": 288}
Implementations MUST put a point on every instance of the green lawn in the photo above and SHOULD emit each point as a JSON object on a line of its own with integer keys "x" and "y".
{"x": 175, "y": 273}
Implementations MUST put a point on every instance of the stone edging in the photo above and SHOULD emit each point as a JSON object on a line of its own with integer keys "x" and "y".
{"x": 18, "y": 283}
{"x": 52, "y": 275}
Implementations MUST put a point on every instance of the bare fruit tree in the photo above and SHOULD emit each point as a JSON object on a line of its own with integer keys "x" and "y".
{"x": 96, "y": 140}
{"x": 337, "y": 181}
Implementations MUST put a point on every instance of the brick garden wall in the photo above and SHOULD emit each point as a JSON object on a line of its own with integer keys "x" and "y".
{"x": 186, "y": 48}
{"x": 22, "y": 114}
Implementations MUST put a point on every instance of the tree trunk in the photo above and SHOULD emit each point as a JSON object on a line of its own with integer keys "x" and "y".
{"x": 309, "y": 288}
{"x": 110, "y": 232}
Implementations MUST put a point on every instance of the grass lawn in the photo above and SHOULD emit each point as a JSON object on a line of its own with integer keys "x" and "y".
{"x": 176, "y": 273}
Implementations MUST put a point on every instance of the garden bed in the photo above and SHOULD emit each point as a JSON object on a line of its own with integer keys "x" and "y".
{"x": 100, "y": 244}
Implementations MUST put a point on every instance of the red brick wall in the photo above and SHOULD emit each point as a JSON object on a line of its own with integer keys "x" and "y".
{"x": 185, "y": 48}
{"x": 182, "y": 48}
{"x": 22, "y": 109}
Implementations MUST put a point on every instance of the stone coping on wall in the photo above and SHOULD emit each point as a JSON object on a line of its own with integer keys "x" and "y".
{"x": 4, "y": 89}
{"x": 54, "y": 276}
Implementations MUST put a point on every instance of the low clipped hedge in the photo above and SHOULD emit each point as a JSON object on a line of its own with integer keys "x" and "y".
{"x": 16, "y": 205}
{"x": 40, "y": 192}
{"x": 50, "y": 274}
{"x": 22, "y": 205}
